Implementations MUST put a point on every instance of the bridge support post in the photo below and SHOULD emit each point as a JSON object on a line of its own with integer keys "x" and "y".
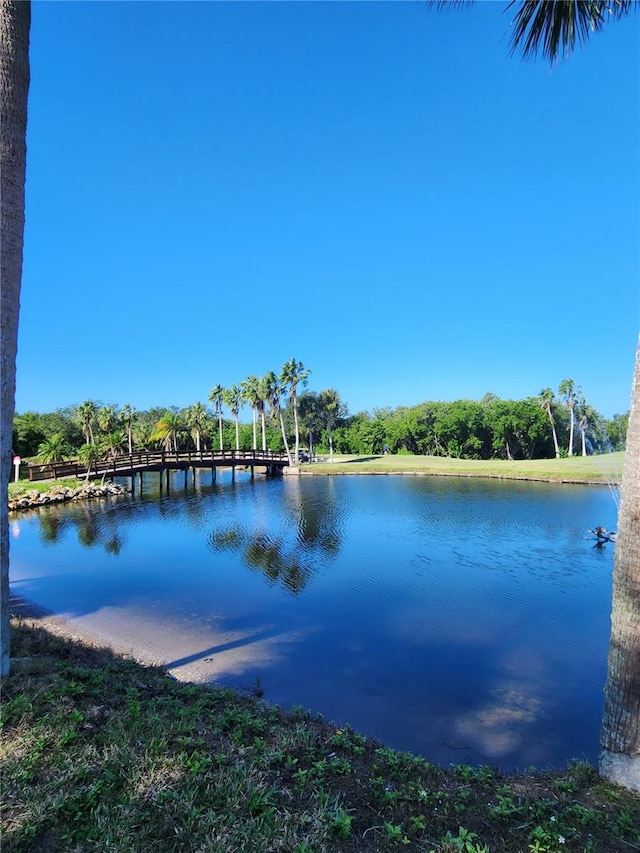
{"x": 253, "y": 473}
{"x": 213, "y": 474}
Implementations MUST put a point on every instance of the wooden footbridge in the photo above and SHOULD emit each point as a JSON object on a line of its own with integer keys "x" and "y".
{"x": 131, "y": 464}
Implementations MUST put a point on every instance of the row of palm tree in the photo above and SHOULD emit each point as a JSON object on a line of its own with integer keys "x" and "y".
{"x": 262, "y": 395}
{"x": 579, "y": 412}
{"x": 109, "y": 432}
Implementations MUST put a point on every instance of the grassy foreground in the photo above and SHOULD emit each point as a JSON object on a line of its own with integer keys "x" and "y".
{"x": 605, "y": 469}
{"x": 102, "y": 754}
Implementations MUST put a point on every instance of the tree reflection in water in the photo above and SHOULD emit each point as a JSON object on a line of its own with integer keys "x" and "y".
{"x": 93, "y": 527}
{"x": 312, "y": 535}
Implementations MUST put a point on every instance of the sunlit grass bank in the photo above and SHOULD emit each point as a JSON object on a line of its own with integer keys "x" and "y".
{"x": 22, "y": 487}
{"x": 101, "y": 753}
{"x": 579, "y": 469}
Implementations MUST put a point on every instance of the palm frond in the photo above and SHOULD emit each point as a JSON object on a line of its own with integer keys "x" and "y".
{"x": 448, "y": 4}
{"x": 552, "y": 28}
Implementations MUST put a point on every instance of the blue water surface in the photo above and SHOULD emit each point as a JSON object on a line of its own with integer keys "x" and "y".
{"x": 466, "y": 620}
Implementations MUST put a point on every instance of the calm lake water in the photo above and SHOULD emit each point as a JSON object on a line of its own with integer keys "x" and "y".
{"x": 464, "y": 620}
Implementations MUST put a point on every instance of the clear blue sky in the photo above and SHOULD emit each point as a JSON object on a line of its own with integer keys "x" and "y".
{"x": 376, "y": 189}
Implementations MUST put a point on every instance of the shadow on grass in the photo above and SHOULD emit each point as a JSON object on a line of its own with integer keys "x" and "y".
{"x": 355, "y": 459}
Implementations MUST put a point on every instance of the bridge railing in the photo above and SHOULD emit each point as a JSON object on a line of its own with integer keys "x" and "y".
{"x": 149, "y": 459}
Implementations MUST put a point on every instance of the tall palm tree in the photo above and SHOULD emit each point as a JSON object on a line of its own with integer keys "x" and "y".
{"x": 332, "y": 408}
{"x": 310, "y": 414}
{"x": 586, "y": 416}
{"x": 196, "y": 417}
{"x": 547, "y": 398}
{"x": 216, "y": 397}
{"x": 553, "y": 29}
{"x": 275, "y": 393}
{"x": 53, "y": 449}
{"x": 251, "y": 396}
{"x": 87, "y": 413}
{"x": 127, "y": 416}
{"x": 15, "y": 22}
{"x": 233, "y": 399}
{"x": 620, "y": 735}
{"x": 569, "y": 392}
{"x": 294, "y": 373}
{"x": 263, "y": 391}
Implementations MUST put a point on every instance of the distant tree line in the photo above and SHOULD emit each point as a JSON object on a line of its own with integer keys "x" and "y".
{"x": 485, "y": 429}
{"x": 283, "y": 418}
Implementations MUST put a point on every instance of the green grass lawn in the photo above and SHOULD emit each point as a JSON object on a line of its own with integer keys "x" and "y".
{"x": 594, "y": 469}
{"x": 102, "y": 754}
{"x": 20, "y": 488}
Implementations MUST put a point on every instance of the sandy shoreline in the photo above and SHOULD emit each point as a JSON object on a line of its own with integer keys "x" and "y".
{"x": 202, "y": 653}
{"x": 36, "y": 614}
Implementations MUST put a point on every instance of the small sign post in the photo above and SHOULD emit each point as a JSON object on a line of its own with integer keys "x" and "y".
{"x": 16, "y": 466}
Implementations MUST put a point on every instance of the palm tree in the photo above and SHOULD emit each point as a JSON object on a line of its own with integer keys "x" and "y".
{"x": 233, "y": 399}
{"x": 216, "y": 397}
{"x": 87, "y": 413}
{"x": 294, "y": 373}
{"x": 114, "y": 443}
{"x": 196, "y": 417}
{"x": 586, "y": 416}
{"x": 275, "y": 391}
{"x": 251, "y": 396}
{"x": 168, "y": 430}
{"x": 89, "y": 455}
{"x": 262, "y": 392}
{"x": 53, "y": 449}
{"x": 553, "y": 29}
{"x": 620, "y": 735}
{"x": 15, "y": 22}
{"x": 107, "y": 419}
{"x": 569, "y": 393}
{"x": 332, "y": 408}
{"x": 311, "y": 417}
{"x": 546, "y": 401}
{"x": 127, "y": 415}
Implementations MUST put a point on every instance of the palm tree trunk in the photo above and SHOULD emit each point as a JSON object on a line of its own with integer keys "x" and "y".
{"x": 297, "y": 428}
{"x": 284, "y": 437}
{"x": 570, "y": 451}
{"x": 620, "y": 736}
{"x": 264, "y": 432}
{"x": 255, "y": 437}
{"x": 15, "y": 22}
{"x": 553, "y": 432}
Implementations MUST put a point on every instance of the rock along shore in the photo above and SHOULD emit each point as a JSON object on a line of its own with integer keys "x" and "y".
{"x": 62, "y": 494}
